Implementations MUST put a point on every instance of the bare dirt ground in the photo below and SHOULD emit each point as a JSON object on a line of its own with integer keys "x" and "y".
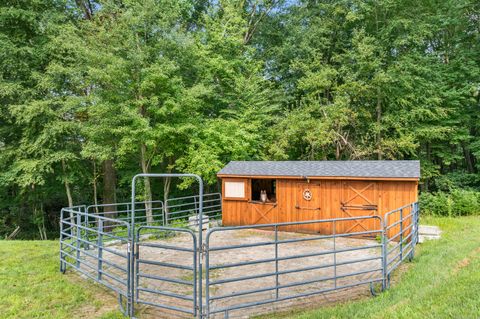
{"x": 292, "y": 282}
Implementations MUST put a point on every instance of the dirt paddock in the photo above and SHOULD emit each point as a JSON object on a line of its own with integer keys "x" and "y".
{"x": 317, "y": 279}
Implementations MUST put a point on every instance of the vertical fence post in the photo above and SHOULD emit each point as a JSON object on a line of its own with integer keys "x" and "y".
{"x": 100, "y": 249}
{"x": 131, "y": 253}
{"x": 62, "y": 264}
{"x": 87, "y": 221}
{"x": 83, "y": 209}
{"x": 385, "y": 249}
{"x": 417, "y": 220}
{"x": 194, "y": 266}
{"x": 79, "y": 235}
{"x": 384, "y": 253}
{"x": 334, "y": 253}
{"x": 401, "y": 233}
{"x": 130, "y": 270}
{"x": 71, "y": 220}
{"x": 136, "y": 279}
{"x": 207, "y": 273}
{"x": 414, "y": 222}
{"x": 200, "y": 244}
{"x": 276, "y": 263}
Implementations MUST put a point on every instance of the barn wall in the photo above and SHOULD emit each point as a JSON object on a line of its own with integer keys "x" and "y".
{"x": 378, "y": 197}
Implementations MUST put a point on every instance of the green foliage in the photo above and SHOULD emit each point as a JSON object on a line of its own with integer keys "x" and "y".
{"x": 456, "y": 203}
{"x": 93, "y": 92}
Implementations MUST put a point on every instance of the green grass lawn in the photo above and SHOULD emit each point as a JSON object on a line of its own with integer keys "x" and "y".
{"x": 442, "y": 282}
{"x": 31, "y": 285}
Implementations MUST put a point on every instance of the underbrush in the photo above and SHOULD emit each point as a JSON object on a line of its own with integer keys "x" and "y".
{"x": 457, "y": 202}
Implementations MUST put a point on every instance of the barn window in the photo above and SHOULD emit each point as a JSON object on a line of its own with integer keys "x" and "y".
{"x": 267, "y": 185}
{"x": 235, "y": 189}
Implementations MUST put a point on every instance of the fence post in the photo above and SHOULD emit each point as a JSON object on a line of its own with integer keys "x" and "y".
{"x": 401, "y": 234}
{"x": 276, "y": 262}
{"x": 417, "y": 220}
{"x": 86, "y": 221}
{"x": 62, "y": 264}
{"x": 334, "y": 252}
{"x": 414, "y": 228}
{"x": 384, "y": 252}
{"x": 71, "y": 220}
{"x": 79, "y": 235}
{"x": 136, "y": 278}
{"x": 100, "y": 249}
{"x": 130, "y": 265}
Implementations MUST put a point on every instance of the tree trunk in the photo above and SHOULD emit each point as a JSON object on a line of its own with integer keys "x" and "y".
{"x": 109, "y": 188}
{"x": 94, "y": 182}
{"x": 166, "y": 192}
{"x": 468, "y": 159}
{"x": 379, "y": 124}
{"x": 67, "y": 184}
{"x": 148, "y": 187}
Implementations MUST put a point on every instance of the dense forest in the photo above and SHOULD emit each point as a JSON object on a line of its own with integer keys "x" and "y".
{"x": 93, "y": 92}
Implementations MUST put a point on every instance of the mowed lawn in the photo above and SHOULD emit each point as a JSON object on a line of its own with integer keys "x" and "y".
{"x": 442, "y": 282}
{"x": 31, "y": 285}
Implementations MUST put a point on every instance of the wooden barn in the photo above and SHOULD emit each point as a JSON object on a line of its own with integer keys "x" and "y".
{"x": 263, "y": 192}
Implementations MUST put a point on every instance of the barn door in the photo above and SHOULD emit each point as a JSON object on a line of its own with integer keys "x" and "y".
{"x": 307, "y": 205}
{"x": 359, "y": 198}
{"x": 263, "y": 213}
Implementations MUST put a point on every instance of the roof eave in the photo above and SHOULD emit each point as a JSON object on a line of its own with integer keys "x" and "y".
{"x": 321, "y": 177}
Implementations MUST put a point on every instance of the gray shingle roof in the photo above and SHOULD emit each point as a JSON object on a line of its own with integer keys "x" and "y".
{"x": 381, "y": 169}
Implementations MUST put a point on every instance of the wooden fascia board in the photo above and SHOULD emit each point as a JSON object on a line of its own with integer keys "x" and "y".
{"x": 403, "y": 179}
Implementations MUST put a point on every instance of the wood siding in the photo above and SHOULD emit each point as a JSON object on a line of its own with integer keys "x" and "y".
{"x": 334, "y": 198}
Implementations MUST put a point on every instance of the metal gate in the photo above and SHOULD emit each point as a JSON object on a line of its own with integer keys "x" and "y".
{"x": 167, "y": 291}
{"x": 170, "y": 283}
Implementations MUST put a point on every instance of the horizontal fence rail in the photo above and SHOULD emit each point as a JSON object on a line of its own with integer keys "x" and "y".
{"x": 177, "y": 209}
{"x": 401, "y": 229}
{"x": 153, "y": 276}
{"x": 156, "y": 260}
{"x": 327, "y": 271}
{"x": 147, "y": 212}
{"x": 174, "y": 210}
{"x": 83, "y": 247}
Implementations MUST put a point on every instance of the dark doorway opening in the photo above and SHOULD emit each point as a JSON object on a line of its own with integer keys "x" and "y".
{"x": 268, "y": 186}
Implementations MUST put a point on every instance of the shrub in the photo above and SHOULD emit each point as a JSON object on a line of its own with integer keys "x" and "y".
{"x": 455, "y": 203}
{"x": 465, "y": 202}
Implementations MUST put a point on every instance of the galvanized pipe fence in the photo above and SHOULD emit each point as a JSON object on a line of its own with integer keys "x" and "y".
{"x": 169, "y": 263}
{"x": 329, "y": 279}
